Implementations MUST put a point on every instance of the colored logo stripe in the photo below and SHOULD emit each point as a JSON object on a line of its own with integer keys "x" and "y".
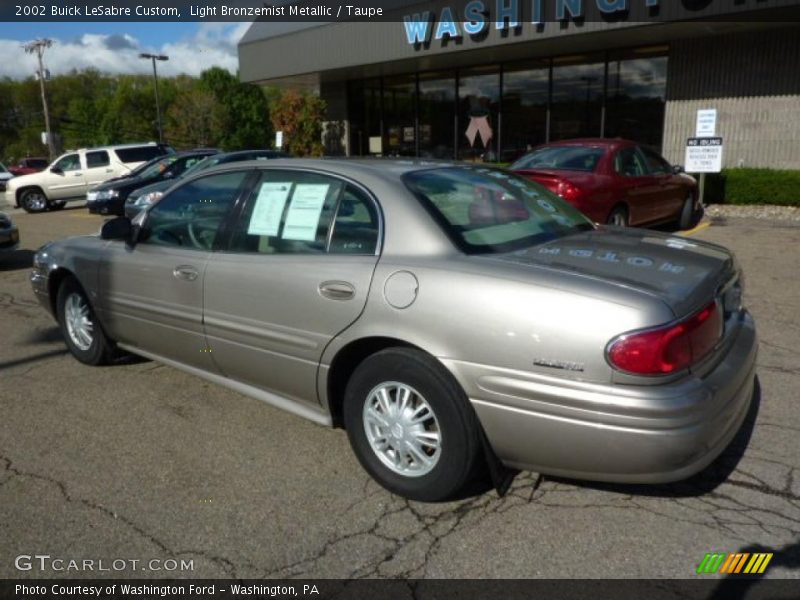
{"x": 734, "y": 563}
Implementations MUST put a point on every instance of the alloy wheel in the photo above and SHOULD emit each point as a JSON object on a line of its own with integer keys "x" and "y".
{"x": 402, "y": 429}
{"x": 78, "y": 320}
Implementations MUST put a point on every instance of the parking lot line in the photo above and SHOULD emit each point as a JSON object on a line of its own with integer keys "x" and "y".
{"x": 697, "y": 229}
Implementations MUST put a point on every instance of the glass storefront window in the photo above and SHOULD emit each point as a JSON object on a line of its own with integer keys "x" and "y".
{"x": 637, "y": 88}
{"x": 478, "y": 110}
{"x": 526, "y": 93}
{"x": 577, "y": 102}
{"x": 365, "y": 117}
{"x": 437, "y": 96}
{"x": 620, "y": 94}
{"x": 400, "y": 131}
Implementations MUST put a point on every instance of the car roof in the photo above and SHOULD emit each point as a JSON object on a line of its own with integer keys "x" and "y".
{"x": 379, "y": 168}
{"x": 602, "y": 142}
{"x": 113, "y": 147}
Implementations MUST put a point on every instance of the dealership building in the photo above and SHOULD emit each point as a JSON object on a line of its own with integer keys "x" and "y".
{"x": 490, "y": 79}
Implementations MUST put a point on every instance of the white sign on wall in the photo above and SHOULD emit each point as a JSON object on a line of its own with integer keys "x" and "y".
{"x": 279, "y": 139}
{"x": 706, "y": 123}
{"x": 703, "y": 155}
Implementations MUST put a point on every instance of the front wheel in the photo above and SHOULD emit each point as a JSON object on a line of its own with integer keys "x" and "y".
{"x": 33, "y": 201}
{"x": 411, "y": 425}
{"x": 82, "y": 332}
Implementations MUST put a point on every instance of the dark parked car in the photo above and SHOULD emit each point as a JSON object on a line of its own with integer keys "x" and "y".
{"x": 109, "y": 197}
{"x": 614, "y": 181}
{"x": 145, "y": 196}
{"x": 9, "y": 234}
{"x": 29, "y": 165}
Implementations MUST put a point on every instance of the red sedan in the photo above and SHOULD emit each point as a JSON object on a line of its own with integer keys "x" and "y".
{"x": 614, "y": 181}
{"x": 29, "y": 165}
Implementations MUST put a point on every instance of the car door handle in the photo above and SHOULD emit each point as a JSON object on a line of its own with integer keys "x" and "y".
{"x": 186, "y": 272}
{"x": 337, "y": 290}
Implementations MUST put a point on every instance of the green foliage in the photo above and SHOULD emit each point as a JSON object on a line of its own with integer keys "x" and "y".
{"x": 300, "y": 117}
{"x": 753, "y": 186}
{"x": 89, "y": 108}
{"x": 241, "y": 113}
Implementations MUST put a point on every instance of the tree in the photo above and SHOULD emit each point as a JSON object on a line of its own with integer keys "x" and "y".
{"x": 244, "y": 116}
{"x": 195, "y": 118}
{"x": 299, "y": 116}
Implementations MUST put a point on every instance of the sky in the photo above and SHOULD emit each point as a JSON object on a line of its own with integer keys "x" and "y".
{"x": 114, "y": 47}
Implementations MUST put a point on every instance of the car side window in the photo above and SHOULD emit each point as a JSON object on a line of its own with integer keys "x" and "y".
{"x": 179, "y": 166}
{"x": 191, "y": 215}
{"x": 70, "y": 162}
{"x": 355, "y": 228}
{"x": 630, "y": 163}
{"x": 656, "y": 164}
{"x": 97, "y": 159}
{"x": 290, "y": 212}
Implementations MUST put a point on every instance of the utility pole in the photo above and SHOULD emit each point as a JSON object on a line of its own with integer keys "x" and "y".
{"x": 154, "y": 58}
{"x": 38, "y": 47}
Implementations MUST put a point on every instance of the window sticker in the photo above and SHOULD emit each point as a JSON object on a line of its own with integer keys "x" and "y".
{"x": 302, "y": 219}
{"x": 266, "y": 218}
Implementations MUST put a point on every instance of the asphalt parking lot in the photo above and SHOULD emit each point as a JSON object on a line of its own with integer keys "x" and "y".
{"x": 140, "y": 461}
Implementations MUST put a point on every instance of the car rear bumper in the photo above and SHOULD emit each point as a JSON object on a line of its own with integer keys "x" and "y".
{"x": 8, "y": 199}
{"x": 619, "y": 433}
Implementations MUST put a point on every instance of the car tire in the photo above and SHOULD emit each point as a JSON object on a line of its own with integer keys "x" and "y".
{"x": 618, "y": 216}
{"x": 686, "y": 219}
{"x": 33, "y": 200}
{"x": 82, "y": 332}
{"x": 411, "y": 426}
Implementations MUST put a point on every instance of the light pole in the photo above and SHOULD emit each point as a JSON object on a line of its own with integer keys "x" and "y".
{"x": 154, "y": 58}
{"x": 38, "y": 47}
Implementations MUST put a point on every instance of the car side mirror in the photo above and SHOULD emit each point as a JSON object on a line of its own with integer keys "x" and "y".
{"x": 678, "y": 169}
{"x": 119, "y": 228}
{"x": 57, "y": 170}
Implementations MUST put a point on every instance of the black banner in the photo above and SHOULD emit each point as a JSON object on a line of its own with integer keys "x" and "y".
{"x": 512, "y": 14}
{"x": 734, "y": 587}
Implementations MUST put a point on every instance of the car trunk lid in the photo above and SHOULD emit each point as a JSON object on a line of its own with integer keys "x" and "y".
{"x": 683, "y": 273}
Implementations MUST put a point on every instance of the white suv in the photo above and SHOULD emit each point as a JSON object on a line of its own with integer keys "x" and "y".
{"x": 73, "y": 173}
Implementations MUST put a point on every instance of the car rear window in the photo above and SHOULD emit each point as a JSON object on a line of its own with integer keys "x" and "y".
{"x": 487, "y": 210}
{"x": 569, "y": 158}
{"x": 139, "y": 153}
{"x": 35, "y": 163}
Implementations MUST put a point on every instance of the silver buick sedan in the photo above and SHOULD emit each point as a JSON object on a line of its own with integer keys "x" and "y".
{"x": 450, "y": 317}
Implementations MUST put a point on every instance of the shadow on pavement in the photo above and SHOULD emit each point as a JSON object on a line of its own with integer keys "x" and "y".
{"x": 16, "y": 259}
{"x": 735, "y": 586}
{"x": 45, "y": 336}
{"x": 32, "y": 359}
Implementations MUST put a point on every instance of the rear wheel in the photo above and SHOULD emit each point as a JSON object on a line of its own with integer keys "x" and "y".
{"x": 686, "y": 218}
{"x": 82, "y": 332}
{"x": 33, "y": 200}
{"x": 411, "y": 425}
{"x": 618, "y": 216}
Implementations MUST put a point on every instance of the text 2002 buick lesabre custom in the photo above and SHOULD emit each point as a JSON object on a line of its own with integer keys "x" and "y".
{"x": 441, "y": 313}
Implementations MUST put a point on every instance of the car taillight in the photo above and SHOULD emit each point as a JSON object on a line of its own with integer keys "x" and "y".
{"x": 567, "y": 191}
{"x": 668, "y": 349}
